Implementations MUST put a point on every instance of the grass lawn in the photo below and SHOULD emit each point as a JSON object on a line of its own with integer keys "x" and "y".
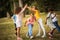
{"x": 7, "y": 30}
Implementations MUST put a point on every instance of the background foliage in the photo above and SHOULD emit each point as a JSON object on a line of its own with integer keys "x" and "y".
{"x": 42, "y": 5}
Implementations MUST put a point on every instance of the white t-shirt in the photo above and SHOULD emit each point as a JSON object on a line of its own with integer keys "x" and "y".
{"x": 54, "y": 19}
{"x": 18, "y": 18}
{"x": 49, "y": 20}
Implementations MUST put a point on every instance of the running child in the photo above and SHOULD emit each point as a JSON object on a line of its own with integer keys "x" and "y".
{"x": 30, "y": 22}
{"x": 50, "y": 23}
{"x": 54, "y": 22}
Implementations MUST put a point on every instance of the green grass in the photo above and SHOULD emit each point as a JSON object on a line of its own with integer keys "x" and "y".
{"x": 7, "y": 29}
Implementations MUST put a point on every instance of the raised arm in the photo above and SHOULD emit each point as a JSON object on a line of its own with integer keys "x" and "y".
{"x": 23, "y": 9}
{"x": 30, "y": 9}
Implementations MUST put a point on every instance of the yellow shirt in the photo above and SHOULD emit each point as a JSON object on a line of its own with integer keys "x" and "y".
{"x": 37, "y": 14}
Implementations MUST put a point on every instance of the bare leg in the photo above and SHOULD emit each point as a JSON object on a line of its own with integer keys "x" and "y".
{"x": 18, "y": 34}
{"x": 51, "y": 32}
{"x": 42, "y": 27}
{"x": 38, "y": 34}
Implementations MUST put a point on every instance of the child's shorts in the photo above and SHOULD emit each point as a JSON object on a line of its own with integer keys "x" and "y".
{"x": 18, "y": 24}
{"x": 51, "y": 25}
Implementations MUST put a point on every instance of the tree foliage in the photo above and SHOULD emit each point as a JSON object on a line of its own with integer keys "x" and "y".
{"x": 42, "y": 5}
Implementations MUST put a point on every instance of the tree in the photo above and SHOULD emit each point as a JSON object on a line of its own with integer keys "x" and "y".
{"x": 43, "y": 5}
{"x": 20, "y": 3}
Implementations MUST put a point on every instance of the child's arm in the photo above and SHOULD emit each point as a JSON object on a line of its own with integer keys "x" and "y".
{"x": 35, "y": 18}
{"x": 12, "y": 17}
{"x": 25, "y": 24}
{"x": 26, "y": 21}
{"x": 46, "y": 20}
{"x": 31, "y": 9}
{"x": 48, "y": 15}
{"x": 23, "y": 9}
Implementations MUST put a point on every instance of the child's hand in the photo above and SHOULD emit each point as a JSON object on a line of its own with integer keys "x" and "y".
{"x": 26, "y": 5}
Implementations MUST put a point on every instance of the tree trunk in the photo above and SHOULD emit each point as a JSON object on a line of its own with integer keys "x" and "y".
{"x": 20, "y": 3}
{"x": 14, "y": 5}
{"x": 8, "y": 15}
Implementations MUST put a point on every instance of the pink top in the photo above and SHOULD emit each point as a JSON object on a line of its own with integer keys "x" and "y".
{"x": 30, "y": 20}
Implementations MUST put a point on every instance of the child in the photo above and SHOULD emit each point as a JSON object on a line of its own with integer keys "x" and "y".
{"x": 55, "y": 25}
{"x": 55, "y": 21}
{"x": 19, "y": 14}
{"x": 50, "y": 23}
{"x": 14, "y": 19}
{"x": 29, "y": 22}
{"x": 39, "y": 20}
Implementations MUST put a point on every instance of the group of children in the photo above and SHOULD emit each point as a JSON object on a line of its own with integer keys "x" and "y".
{"x": 51, "y": 21}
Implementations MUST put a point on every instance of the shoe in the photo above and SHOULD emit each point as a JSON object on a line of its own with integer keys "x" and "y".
{"x": 27, "y": 35}
{"x": 31, "y": 37}
{"x": 50, "y": 34}
{"x": 43, "y": 36}
{"x": 50, "y": 37}
{"x": 38, "y": 34}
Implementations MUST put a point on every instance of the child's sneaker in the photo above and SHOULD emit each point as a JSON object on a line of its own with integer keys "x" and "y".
{"x": 43, "y": 36}
{"x": 50, "y": 34}
{"x": 31, "y": 37}
{"x": 38, "y": 35}
{"x": 50, "y": 37}
{"x": 27, "y": 35}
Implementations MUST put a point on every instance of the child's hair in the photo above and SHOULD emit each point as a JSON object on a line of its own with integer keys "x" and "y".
{"x": 50, "y": 9}
{"x": 18, "y": 9}
{"x": 35, "y": 7}
{"x": 32, "y": 15}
